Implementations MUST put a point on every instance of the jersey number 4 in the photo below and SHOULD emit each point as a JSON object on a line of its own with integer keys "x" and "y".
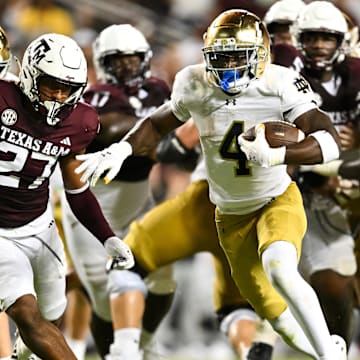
{"x": 230, "y": 148}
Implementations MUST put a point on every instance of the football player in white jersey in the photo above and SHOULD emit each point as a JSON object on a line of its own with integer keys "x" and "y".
{"x": 259, "y": 214}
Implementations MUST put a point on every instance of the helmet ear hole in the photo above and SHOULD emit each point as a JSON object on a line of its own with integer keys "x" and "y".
{"x": 243, "y": 37}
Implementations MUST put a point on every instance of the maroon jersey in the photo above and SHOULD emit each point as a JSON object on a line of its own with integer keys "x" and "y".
{"x": 344, "y": 106}
{"x": 29, "y": 151}
{"x": 109, "y": 98}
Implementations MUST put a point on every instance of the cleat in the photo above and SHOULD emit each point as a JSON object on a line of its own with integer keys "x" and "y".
{"x": 260, "y": 351}
{"x": 340, "y": 347}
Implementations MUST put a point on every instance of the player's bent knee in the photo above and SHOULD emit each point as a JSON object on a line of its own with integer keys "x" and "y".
{"x": 121, "y": 281}
{"x": 235, "y": 316}
{"x": 161, "y": 282}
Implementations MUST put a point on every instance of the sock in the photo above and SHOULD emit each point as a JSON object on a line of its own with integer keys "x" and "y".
{"x": 126, "y": 341}
{"x": 77, "y": 346}
{"x": 304, "y": 315}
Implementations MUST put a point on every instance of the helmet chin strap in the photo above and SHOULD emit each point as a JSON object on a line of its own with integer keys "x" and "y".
{"x": 52, "y": 107}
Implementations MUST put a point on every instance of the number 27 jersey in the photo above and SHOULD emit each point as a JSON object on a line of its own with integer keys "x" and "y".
{"x": 29, "y": 151}
{"x": 280, "y": 94}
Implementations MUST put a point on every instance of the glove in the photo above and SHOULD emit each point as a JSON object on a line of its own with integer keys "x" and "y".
{"x": 328, "y": 169}
{"x": 258, "y": 151}
{"x": 96, "y": 163}
{"x": 121, "y": 257}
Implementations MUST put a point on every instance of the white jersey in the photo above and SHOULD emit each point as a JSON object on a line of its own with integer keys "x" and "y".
{"x": 280, "y": 94}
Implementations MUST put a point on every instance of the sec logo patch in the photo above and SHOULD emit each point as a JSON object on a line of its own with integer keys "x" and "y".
{"x": 9, "y": 117}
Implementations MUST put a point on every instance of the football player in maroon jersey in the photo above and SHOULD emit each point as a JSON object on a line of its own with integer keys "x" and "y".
{"x": 42, "y": 124}
{"x": 322, "y": 57}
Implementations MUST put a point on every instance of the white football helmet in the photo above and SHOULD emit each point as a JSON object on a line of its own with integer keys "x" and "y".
{"x": 322, "y": 16}
{"x": 351, "y": 37}
{"x": 5, "y": 53}
{"x": 283, "y": 12}
{"x": 236, "y": 50}
{"x": 59, "y": 57}
{"x": 123, "y": 39}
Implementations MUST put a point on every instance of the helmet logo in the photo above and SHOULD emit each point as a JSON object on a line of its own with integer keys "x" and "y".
{"x": 9, "y": 117}
{"x": 40, "y": 51}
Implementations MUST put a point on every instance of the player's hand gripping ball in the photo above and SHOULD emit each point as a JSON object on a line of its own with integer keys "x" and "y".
{"x": 278, "y": 133}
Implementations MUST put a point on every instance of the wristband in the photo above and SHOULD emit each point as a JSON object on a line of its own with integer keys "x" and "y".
{"x": 328, "y": 145}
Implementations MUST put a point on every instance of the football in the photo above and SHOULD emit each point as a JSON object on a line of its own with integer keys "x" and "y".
{"x": 278, "y": 133}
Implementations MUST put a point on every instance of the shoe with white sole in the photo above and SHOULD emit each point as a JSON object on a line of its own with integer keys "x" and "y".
{"x": 339, "y": 347}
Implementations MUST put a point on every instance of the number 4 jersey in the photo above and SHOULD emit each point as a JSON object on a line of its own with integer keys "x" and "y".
{"x": 280, "y": 94}
{"x": 29, "y": 151}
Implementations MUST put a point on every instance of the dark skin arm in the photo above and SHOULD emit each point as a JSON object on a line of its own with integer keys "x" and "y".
{"x": 308, "y": 151}
{"x": 147, "y": 133}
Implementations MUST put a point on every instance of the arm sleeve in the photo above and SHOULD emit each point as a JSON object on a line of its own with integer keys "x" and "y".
{"x": 86, "y": 208}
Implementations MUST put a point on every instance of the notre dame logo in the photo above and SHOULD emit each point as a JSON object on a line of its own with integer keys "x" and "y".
{"x": 39, "y": 51}
{"x": 302, "y": 85}
{"x": 230, "y": 101}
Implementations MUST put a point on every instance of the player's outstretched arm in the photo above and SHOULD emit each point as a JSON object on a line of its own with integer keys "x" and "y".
{"x": 142, "y": 139}
{"x": 86, "y": 208}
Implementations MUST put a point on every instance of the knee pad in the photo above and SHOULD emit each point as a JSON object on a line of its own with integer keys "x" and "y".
{"x": 236, "y": 315}
{"x": 161, "y": 281}
{"x": 121, "y": 281}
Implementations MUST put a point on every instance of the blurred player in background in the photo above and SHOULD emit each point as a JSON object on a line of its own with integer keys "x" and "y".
{"x": 280, "y": 17}
{"x": 328, "y": 260}
{"x": 124, "y": 92}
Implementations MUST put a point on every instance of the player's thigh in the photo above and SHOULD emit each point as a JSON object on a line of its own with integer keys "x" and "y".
{"x": 283, "y": 219}
{"x": 88, "y": 257}
{"x": 175, "y": 229}
{"x": 16, "y": 277}
{"x": 244, "y": 237}
{"x": 226, "y": 292}
{"x": 122, "y": 202}
{"x": 49, "y": 267}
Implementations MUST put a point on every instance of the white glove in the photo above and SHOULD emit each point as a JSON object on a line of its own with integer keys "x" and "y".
{"x": 121, "y": 257}
{"x": 259, "y": 152}
{"x": 96, "y": 163}
{"x": 328, "y": 169}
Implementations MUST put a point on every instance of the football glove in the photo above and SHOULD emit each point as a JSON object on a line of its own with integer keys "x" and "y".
{"x": 258, "y": 151}
{"x": 120, "y": 255}
{"x": 111, "y": 159}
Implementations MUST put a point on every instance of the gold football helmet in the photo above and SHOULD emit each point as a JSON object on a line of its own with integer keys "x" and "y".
{"x": 5, "y": 54}
{"x": 236, "y": 49}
